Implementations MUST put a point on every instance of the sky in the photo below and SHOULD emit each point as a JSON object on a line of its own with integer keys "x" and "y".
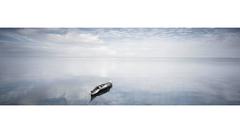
{"x": 120, "y": 42}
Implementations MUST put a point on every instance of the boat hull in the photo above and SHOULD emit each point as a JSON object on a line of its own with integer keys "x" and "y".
{"x": 101, "y": 89}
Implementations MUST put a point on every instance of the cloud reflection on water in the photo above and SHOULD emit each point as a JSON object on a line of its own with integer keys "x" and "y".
{"x": 135, "y": 81}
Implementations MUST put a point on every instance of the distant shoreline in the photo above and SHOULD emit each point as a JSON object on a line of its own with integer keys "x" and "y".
{"x": 121, "y": 57}
{"x": 163, "y": 59}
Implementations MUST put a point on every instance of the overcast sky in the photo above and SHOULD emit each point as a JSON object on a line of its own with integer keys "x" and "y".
{"x": 123, "y": 42}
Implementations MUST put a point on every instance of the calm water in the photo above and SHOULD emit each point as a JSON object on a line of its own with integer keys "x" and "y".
{"x": 135, "y": 81}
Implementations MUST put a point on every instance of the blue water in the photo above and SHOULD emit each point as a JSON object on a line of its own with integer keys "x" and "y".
{"x": 136, "y": 81}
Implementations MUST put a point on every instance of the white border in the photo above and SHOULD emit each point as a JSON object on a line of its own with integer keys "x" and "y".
{"x": 120, "y": 119}
{"x": 119, "y": 13}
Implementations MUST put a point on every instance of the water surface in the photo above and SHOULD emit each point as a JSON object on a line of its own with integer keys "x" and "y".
{"x": 136, "y": 81}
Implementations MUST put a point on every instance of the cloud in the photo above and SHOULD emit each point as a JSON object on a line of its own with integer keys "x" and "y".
{"x": 74, "y": 38}
{"x": 121, "y": 42}
{"x": 59, "y": 36}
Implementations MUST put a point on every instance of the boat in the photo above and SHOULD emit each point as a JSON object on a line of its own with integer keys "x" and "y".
{"x": 101, "y": 89}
